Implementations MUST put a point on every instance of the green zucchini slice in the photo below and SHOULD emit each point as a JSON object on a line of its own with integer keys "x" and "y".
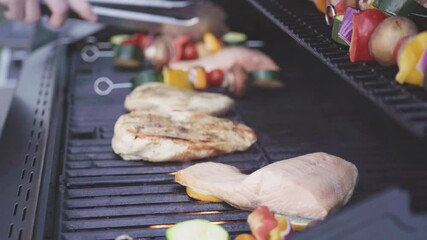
{"x": 199, "y": 229}
{"x": 266, "y": 79}
{"x": 128, "y": 57}
{"x": 234, "y": 39}
{"x": 146, "y": 76}
{"x": 335, "y": 29}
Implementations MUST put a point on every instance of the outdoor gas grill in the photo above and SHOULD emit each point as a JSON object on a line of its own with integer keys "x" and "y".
{"x": 61, "y": 180}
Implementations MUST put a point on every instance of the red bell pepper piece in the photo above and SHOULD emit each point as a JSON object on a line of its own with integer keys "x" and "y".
{"x": 400, "y": 44}
{"x": 142, "y": 40}
{"x": 339, "y": 6}
{"x": 364, "y": 23}
{"x": 179, "y": 44}
{"x": 137, "y": 36}
{"x": 129, "y": 42}
{"x": 261, "y": 222}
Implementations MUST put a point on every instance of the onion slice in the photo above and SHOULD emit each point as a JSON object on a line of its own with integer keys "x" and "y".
{"x": 422, "y": 63}
{"x": 346, "y": 28}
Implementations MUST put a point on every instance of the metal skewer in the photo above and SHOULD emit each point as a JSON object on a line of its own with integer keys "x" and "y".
{"x": 330, "y": 8}
{"x": 110, "y": 86}
{"x": 90, "y": 53}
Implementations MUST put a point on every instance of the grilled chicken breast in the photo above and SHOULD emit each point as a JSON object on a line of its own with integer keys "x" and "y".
{"x": 177, "y": 136}
{"x": 308, "y": 186}
{"x": 154, "y": 96}
{"x": 249, "y": 59}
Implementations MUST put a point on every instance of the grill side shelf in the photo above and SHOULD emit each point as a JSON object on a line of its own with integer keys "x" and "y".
{"x": 406, "y": 104}
{"x": 23, "y": 146}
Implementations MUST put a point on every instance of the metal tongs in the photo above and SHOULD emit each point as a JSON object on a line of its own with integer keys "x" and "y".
{"x": 142, "y": 14}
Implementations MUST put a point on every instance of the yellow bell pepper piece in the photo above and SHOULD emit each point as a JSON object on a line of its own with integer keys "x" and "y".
{"x": 177, "y": 78}
{"x": 409, "y": 58}
{"x": 320, "y": 5}
{"x": 201, "y": 50}
{"x": 245, "y": 236}
{"x": 199, "y": 78}
{"x": 212, "y": 44}
{"x": 201, "y": 196}
{"x": 283, "y": 226}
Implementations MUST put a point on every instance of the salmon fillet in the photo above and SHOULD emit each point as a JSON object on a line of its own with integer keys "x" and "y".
{"x": 177, "y": 136}
{"x": 249, "y": 59}
{"x": 308, "y": 186}
{"x": 154, "y": 96}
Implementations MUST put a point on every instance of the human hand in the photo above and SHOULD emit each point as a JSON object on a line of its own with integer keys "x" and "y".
{"x": 29, "y": 10}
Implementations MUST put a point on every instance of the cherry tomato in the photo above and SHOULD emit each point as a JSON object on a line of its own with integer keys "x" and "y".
{"x": 215, "y": 77}
{"x": 190, "y": 52}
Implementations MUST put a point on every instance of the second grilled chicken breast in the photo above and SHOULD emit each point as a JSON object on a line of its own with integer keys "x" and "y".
{"x": 249, "y": 59}
{"x": 154, "y": 96}
{"x": 161, "y": 136}
{"x": 308, "y": 186}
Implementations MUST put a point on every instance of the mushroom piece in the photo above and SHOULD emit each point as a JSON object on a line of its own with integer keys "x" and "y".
{"x": 236, "y": 81}
{"x": 159, "y": 52}
{"x": 352, "y": 3}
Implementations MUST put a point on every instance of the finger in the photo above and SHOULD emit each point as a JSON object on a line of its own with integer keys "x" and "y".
{"x": 15, "y": 10}
{"x": 32, "y": 10}
{"x": 5, "y": 7}
{"x": 4, "y": 4}
{"x": 83, "y": 9}
{"x": 59, "y": 10}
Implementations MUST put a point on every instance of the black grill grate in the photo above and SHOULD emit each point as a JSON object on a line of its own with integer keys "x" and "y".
{"x": 104, "y": 196}
{"x": 404, "y": 103}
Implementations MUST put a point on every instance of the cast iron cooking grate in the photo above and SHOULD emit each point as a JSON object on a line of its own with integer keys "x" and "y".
{"x": 406, "y": 104}
{"x": 104, "y": 196}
